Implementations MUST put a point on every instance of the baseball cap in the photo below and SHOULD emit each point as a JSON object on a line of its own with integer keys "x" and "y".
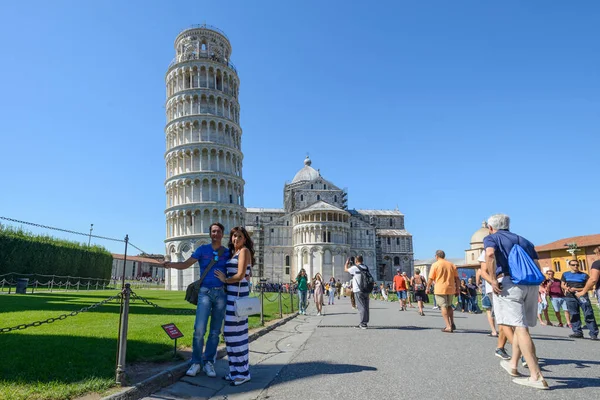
{"x": 397, "y": 269}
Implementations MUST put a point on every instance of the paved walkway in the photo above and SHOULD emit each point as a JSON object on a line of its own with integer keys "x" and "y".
{"x": 402, "y": 355}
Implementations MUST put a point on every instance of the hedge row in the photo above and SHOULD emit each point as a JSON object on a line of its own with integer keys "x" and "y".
{"x": 26, "y": 253}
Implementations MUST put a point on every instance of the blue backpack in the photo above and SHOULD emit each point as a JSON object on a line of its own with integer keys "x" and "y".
{"x": 523, "y": 270}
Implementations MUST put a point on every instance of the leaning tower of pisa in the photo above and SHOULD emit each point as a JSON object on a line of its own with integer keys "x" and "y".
{"x": 203, "y": 158}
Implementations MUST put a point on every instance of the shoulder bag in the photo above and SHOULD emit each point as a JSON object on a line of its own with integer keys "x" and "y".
{"x": 246, "y": 306}
{"x": 193, "y": 289}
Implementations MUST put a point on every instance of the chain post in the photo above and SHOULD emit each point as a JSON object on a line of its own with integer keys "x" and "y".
{"x": 280, "y": 304}
{"x": 291, "y": 290}
{"x": 123, "y": 325}
{"x": 34, "y": 286}
{"x": 96, "y": 284}
{"x": 125, "y": 261}
{"x": 51, "y": 283}
{"x": 262, "y": 304}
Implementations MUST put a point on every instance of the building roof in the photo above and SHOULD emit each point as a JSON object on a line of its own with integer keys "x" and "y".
{"x": 582, "y": 241}
{"x": 307, "y": 173}
{"x": 265, "y": 210}
{"x": 137, "y": 259}
{"x": 322, "y": 206}
{"x": 378, "y": 213}
{"x": 393, "y": 232}
{"x": 480, "y": 233}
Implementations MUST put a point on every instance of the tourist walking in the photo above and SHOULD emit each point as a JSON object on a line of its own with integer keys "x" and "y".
{"x": 543, "y": 305}
{"x": 358, "y": 273}
{"x": 211, "y": 300}
{"x": 318, "y": 288}
{"x": 445, "y": 276}
{"x": 419, "y": 283}
{"x": 473, "y": 298}
{"x": 338, "y": 288}
{"x": 399, "y": 286}
{"x": 464, "y": 296}
{"x": 302, "y": 282}
{"x": 332, "y": 284}
{"x": 515, "y": 305}
{"x": 574, "y": 282}
{"x": 409, "y": 291}
{"x": 384, "y": 293}
{"x": 503, "y": 333}
{"x": 557, "y": 298}
{"x": 235, "y": 329}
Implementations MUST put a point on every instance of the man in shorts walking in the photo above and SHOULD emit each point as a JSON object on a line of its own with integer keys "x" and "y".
{"x": 515, "y": 306}
{"x": 445, "y": 276}
{"x": 399, "y": 287}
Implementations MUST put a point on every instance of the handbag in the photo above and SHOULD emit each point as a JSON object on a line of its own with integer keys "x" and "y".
{"x": 193, "y": 289}
{"x": 246, "y": 306}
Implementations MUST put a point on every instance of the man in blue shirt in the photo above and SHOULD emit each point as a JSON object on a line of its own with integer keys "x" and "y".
{"x": 212, "y": 300}
{"x": 573, "y": 283}
{"x": 515, "y": 306}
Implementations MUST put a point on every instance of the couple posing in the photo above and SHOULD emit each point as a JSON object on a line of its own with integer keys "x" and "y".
{"x": 221, "y": 286}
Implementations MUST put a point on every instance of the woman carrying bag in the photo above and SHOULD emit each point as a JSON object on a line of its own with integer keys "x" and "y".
{"x": 319, "y": 288}
{"x": 236, "y": 328}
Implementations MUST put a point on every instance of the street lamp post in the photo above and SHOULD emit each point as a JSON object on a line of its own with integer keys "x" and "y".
{"x": 90, "y": 239}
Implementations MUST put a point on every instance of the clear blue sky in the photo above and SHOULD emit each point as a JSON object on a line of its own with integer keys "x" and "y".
{"x": 450, "y": 110}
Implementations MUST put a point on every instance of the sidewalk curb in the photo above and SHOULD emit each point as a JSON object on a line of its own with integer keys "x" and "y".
{"x": 173, "y": 374}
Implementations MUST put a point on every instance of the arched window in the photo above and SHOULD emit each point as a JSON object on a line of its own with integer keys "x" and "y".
{"x": 324, "y": 187}
{"x": 391, "y": 222}
{"x": 257, "y": 219}
{"x": 301, "y": 197}
{"x": 318, "y": 197}
{"x": 287, "y": 261}
{"x": 396, "y": 260}
{"x": 389, "y": 240}
{"x": 311, "y": 186}
{"x": 335, "y": 198}
{"x": 556, "y": 265}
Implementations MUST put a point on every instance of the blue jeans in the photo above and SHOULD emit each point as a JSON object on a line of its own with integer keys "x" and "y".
{"x": 474, "y": 307}
{"x": 574, "y": 306}
{"x": 211, "y": 302}
{"x": 302, "y": 294}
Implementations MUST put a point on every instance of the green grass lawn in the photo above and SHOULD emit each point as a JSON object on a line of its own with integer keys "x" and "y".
{"x": 77, "y": 355}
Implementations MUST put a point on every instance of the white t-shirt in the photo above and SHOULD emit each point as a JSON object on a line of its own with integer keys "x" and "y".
{"x": 488, "y": 287}
{"x": 356, "y": 277}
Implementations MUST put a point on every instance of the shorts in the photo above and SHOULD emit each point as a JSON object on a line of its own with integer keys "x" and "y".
{"x": 486, "y": 301}
{"x": 401, "y": 294}
{"x": 444, "y": 300}
{"x": 516, "y": 305}
{"x": 558, "y": 303}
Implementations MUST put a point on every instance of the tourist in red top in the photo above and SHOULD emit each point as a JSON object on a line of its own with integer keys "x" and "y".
{"x": 400, "y": 288}
{"x": 557, "y": 297}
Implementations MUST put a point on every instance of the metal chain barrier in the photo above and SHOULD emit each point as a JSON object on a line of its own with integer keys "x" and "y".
{"x": 135, "y": 296}
{"x": 60, "y": 317}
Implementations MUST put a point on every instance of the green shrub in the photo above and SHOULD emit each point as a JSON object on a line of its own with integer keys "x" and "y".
{"x": 25, "y": 253}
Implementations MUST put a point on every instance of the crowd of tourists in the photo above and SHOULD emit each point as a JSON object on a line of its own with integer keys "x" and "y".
{"x": 514, "y": 297}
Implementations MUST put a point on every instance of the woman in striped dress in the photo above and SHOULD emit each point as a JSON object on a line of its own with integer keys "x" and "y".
{"x": 236, "y": 329}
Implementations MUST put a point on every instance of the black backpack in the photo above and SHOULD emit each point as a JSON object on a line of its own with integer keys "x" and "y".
{"x": 366, "y": 282}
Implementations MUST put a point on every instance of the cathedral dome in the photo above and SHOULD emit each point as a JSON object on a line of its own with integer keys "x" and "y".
{"x": 307, "y": 173}
{"x": 479, "y": 234}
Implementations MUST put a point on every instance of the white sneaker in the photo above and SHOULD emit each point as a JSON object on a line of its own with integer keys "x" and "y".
{"x": 193, "y": 370}
{"x": 318, "y": 313}
{"x": 209, "y": 369}
{"x": 539, "y": 384}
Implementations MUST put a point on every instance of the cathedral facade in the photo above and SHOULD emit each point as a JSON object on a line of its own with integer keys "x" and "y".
{"x": 316, "y": 231}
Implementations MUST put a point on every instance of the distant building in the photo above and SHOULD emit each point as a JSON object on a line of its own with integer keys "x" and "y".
{"x": 137, "y": 267}
{"x": 555, "y": 256}
{"x": 316, "y": 231}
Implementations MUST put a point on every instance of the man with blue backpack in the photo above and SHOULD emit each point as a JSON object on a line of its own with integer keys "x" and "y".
{"x": 511, "y": 262}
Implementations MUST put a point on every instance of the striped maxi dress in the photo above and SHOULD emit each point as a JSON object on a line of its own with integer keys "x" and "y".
{"x": 236, "y": 329}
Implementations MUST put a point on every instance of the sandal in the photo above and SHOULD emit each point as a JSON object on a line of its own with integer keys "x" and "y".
{"x": 445, "y": 331}
{"x": 492, "y": 335}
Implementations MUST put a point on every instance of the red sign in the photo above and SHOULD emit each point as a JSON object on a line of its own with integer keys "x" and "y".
{"x": 172, "y": 331}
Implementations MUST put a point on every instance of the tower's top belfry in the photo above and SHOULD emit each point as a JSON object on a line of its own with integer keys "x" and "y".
{"x": 203, "y": 41}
